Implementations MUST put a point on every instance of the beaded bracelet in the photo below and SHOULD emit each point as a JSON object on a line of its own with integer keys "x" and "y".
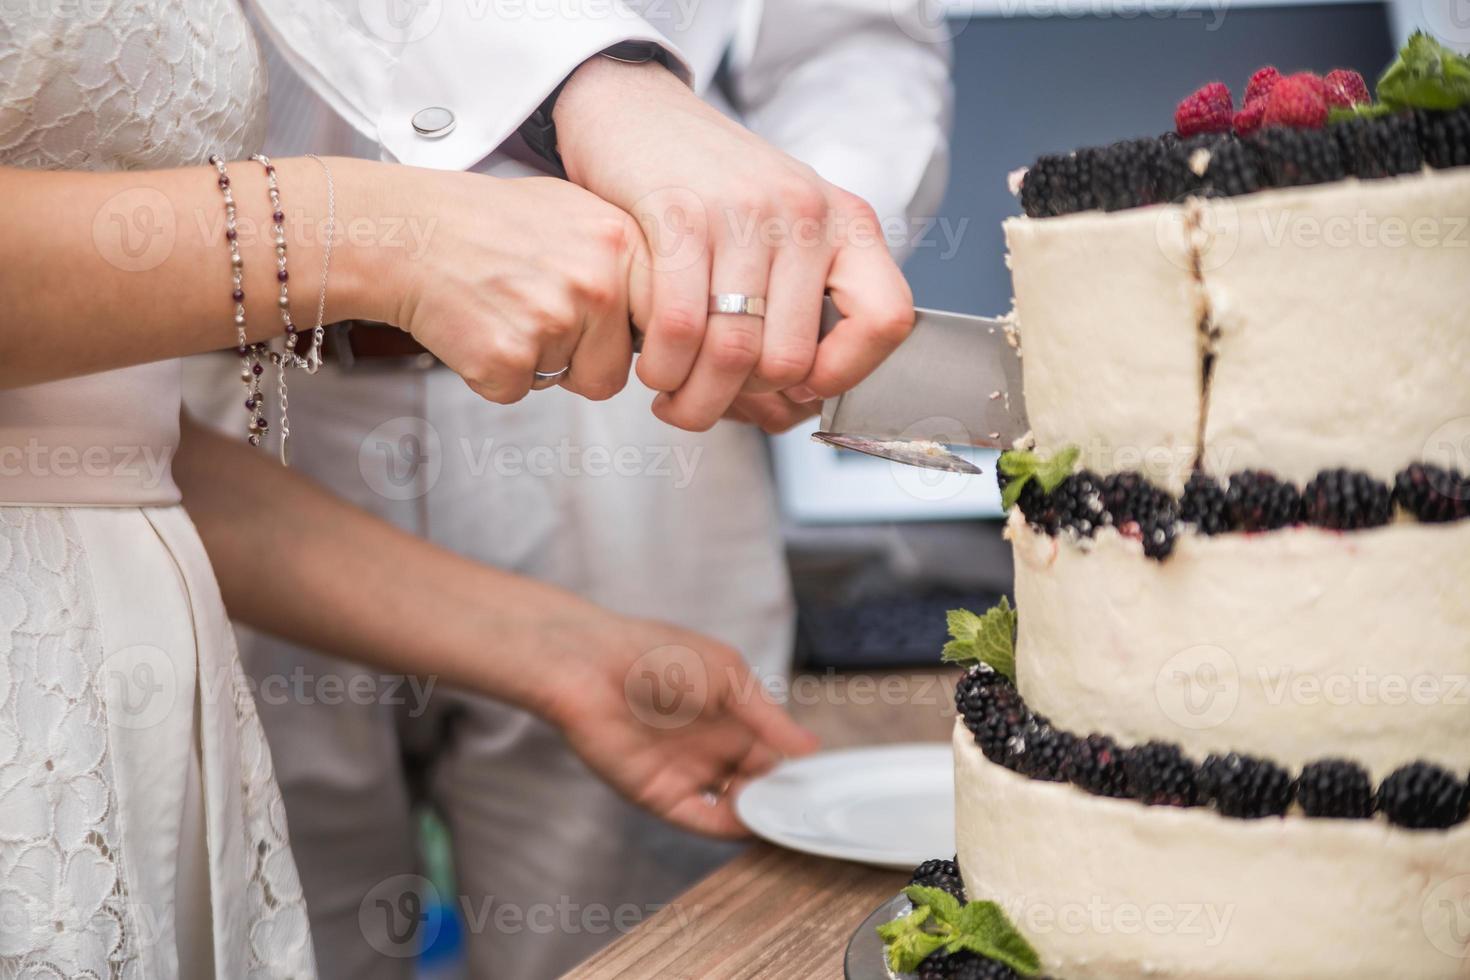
{"x": 251, "y": 355}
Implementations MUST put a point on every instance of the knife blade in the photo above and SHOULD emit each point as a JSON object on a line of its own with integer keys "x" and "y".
{"x": 955, "y": 381}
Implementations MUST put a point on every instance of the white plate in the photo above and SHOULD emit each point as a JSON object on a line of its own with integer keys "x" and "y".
{"x": 890, "y": 805}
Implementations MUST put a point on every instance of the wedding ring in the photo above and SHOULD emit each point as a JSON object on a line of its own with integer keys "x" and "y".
{"x": 549, "y": 379}
{"x": 737, "y": 303}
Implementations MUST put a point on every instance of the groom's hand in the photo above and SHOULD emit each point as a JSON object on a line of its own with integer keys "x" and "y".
{"x": 725, "y": 212}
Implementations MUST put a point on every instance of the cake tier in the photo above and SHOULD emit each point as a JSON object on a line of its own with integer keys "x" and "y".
{"x": 1292, "y": 330}
{"x": 1113, "y": 890}
{"x": 1294, "y": 645}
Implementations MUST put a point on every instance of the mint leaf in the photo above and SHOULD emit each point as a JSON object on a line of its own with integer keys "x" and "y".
{"x": 1022, "y": 466}
{"x": 989, "y": 639}
{"x": 1363, "y": 110}
{"x": 907, "y": 943}
{"x": 1426, "y": 75}
{"x": 945, "y": 907}
{"x": 983, "y": 929}
{"x": 938, "y": 921}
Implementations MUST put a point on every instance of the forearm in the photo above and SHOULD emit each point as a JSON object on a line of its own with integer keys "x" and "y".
{"x": 296, "y": 562}
{"x": 105, "y": 270}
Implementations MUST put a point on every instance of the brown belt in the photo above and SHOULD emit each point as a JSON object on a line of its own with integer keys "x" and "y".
{"x": 362, "y": 344}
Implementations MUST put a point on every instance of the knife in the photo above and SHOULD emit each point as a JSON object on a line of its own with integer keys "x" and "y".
{"x": 955, "y": 381}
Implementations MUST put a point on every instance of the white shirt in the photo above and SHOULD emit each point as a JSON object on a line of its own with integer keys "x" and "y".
{"x": 858, "y": 89}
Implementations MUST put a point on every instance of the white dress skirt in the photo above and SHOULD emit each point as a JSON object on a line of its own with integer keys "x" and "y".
{"x": 142, "y": 835}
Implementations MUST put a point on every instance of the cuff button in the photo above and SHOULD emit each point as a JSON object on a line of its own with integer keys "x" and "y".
{"x": 433, "y": 123}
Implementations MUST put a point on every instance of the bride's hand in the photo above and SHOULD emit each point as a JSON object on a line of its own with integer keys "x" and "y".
{"x": 509, "y": 277}
{"x": 673, "y": 720}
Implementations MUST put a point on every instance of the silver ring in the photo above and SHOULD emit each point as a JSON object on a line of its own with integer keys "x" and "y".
{"x": 737, "y": 303}
{"x": 549, "y": 379}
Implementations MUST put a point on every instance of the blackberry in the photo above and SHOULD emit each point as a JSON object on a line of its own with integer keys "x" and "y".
{"x": 1335, "y": 788}
{"x": 1444, "y": 137}
{"x": 1040, "y": 750}
{"x": 1075, "y": 505}
{"x": 941, "y": 874}
{"x": 1346, "y": 500}
{"x": 964, "y": 965}
{"x": 1381, "y": 147}
{"x": 1432, "y": 494}
{"x": 1174, "y": 176}
{"x": 1257, "y": 501}
{"x": 1136, "y": 506}
{"x": 1422, "y": 795}
{"x": 1124, "y": 174}
{"x": 1235, "y": 169}
{"x": 1245, "y": 787}
{"x": 996, "y": 721}
{"x": 1296, "y": 157}
{"x": 1204, "y": 505}
{"x": 1159, "y": 774}
{"x": 1057, "y": 184}
{"x": 975, "y": 692}
{"x": 1095, "y": 764}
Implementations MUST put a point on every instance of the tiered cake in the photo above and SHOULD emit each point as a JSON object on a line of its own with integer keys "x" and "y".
{"x": 1238, "y": 738}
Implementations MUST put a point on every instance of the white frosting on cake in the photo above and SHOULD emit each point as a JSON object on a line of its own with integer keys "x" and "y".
{"x": 1110, "y": 355}
{"x": 1114, "y": 890}
{"x": 1339, "y": 316}
{"x": 1294, "y": 645}
{"x": 1343, "y": 317}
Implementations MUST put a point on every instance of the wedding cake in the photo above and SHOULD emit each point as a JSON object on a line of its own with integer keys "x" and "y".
{"x": 1225, "y": 732}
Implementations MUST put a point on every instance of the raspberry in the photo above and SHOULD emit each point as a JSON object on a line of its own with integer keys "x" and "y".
{"x": 1422, "y": 795}
{"x": 1335, "y": 788}
{"x": 1257, "y": 501}
{"x": 1204, "y": 505}
{"x": 1346, "y": 500}
{"x": 1346, "y": 88}
{"x": 1040, "y": 750}
{"x": 1432, "y": 494}
{"x": 1245, "y": 787}
{"x": 944, "y": 875}
{"x": 1208, "y": 110}
{"x": 1297, "y": 101}
{"x": 1159, "y": 774}
{"x": 1261, "y": 84}
{"x": 1249, "y": 119}
{"x": 1095, "y": 764}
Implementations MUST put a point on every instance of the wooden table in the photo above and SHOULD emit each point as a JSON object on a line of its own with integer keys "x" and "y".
{"x": 776, "y": 914}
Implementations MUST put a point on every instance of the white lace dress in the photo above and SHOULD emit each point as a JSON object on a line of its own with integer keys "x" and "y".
{"x": 141, "y": 831}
